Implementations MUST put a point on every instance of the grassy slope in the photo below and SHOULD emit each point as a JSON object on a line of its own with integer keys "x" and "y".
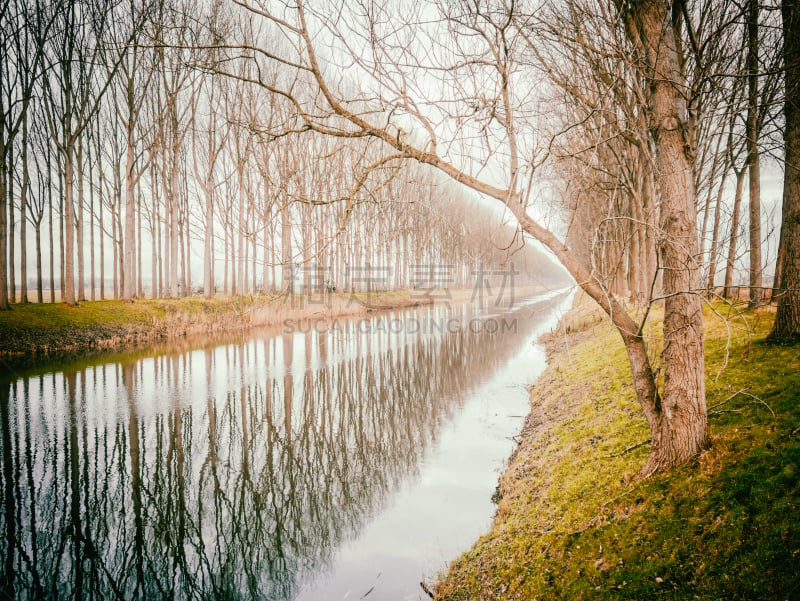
{"x": 574, "y": 521}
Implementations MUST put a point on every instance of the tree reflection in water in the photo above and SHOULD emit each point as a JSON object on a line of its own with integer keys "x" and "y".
{"x": 234, "y": 471}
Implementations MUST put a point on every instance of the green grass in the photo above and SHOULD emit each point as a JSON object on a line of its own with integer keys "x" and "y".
{"x": 41, "y": 329}
{"x": 37, "y": 317}
{"x": 576, "y": 522}
{"x": 34, "y": 334}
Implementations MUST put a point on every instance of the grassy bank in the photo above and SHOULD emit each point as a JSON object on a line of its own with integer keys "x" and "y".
{"x": 575, "y": 522}
{"x": 36, "y": 333}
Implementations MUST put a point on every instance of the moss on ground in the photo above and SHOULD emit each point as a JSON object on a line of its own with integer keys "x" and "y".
{"x": 575, "y": 521}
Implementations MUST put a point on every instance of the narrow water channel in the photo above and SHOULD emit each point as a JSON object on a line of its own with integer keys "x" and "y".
{"x": 322, "y": 461}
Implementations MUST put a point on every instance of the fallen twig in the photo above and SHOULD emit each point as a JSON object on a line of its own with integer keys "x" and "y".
{"x": 730, "y": 398}
{"x": 627, "y": 450}
{"x": 760, "y": 400}
{"x": 743, "y": 392}
{"x": 721, "y": 411}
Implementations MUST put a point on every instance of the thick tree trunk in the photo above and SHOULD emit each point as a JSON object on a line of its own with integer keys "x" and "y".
{"x": 677, "y": 417}
{"x": 787, "y": 318}
{"x": 680, "y": 428}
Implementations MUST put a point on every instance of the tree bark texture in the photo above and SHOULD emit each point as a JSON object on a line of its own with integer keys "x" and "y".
{"x": 787, "y": 318}
{"x": 678, "y": 420}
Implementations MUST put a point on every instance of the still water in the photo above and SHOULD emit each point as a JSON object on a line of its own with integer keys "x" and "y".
{"x": 322, "y": 461}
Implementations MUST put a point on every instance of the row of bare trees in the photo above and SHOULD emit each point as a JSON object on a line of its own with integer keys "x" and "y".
{"x": 318, "y": 138}
{"x": 133, "y": 157}
{"x": 608, "y": 129}
{"x": 603, "y": 151}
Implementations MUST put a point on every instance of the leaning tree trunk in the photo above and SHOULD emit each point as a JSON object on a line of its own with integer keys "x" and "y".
{"x": 787, "y": 318}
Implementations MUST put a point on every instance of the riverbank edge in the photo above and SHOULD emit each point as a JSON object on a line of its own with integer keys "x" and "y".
{"x": 575, "y": 521}
{"x": 34, "y": 334}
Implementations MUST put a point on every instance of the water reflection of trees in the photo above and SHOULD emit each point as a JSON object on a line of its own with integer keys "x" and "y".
{"x": 240, "y": 495}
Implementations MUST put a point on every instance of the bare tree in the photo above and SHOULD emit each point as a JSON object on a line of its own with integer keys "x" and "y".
{"x": 23, "y": 29}
{"x": 38, "y": 203}
{"x": 171, "y": 110}
{"x": 75, "y": 88}
{"x": 207, "y": 146}
{"x": 478, "y": 63}
{"x": 134, "y": 76}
